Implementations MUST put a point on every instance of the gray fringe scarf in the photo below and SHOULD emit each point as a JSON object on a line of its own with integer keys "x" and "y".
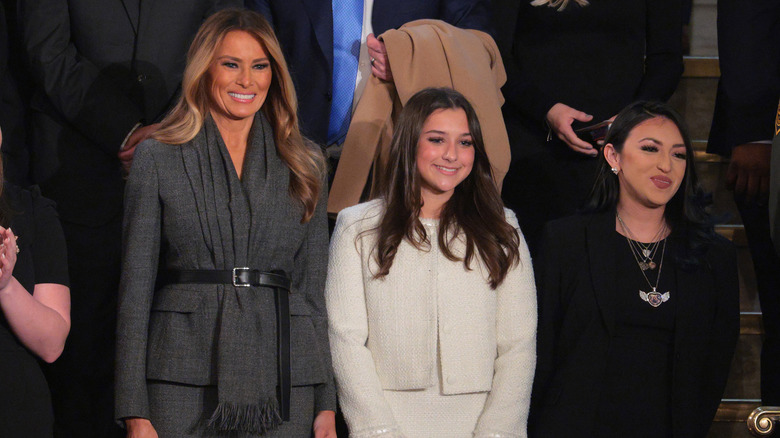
{"x": 246, "y": 337}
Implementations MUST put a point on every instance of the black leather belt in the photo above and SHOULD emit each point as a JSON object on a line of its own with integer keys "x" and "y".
{"x": 246, "y": 277}
{"x": 239, "y": 277}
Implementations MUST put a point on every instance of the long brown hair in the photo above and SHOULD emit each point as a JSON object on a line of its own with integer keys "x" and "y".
{"x": 475, "y": 208}
{"x": 182, "y": 124}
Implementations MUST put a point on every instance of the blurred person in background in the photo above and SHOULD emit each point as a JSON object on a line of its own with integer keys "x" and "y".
{"x": 574, "y": 64}
{"x": 332, "y": 49}
{"x": 105, "y": 73}
{"x": 746, "y": 111}
{"x": 34, "y": 308}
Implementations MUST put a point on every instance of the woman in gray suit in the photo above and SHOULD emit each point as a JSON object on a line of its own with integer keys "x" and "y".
{"x": 222, "y": 327}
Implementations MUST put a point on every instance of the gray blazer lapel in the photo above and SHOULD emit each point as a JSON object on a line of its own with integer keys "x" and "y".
{"x": 602, "y": 265}
{"x": 230, "y": 199}
{"x": 191, "y": 159}
{"x": 205, "y": 170}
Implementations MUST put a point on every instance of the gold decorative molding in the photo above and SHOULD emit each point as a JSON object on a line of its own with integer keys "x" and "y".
{"x": 733, "y": 232}
{"x": 750, "y": 323}
{"x": 761, "y": 421}
{"x": 735, "y": 410}
{"x": 704, "y": 157}
{"x": 701, "y": 67}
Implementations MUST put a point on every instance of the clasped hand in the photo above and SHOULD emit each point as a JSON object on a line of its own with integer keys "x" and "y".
{"x": 8, "y": 251}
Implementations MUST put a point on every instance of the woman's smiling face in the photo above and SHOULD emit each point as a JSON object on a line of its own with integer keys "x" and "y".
{"x": 445, "y": 152}
{"x": 651, "y": 164}
{"x": 240, "y": 76}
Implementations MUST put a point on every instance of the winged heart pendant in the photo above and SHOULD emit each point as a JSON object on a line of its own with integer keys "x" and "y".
{"x": 654, "y": 298}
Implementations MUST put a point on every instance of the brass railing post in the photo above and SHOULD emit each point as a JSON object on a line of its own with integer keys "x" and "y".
{"x": 761, "y": 421}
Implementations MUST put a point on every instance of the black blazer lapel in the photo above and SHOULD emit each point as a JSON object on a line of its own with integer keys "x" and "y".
{"x": 694, "y": 318}
{"x": 694, "y": 328}
{"x": 602, "y": 265}
{"x": 321, "y": 17}
{"x": 688, "y": 288}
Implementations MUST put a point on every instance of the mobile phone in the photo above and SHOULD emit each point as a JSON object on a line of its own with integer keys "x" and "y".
{"x": 595, "y": 133}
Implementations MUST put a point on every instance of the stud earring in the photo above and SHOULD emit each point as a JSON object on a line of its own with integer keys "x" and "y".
{"x": 615, "y": 170}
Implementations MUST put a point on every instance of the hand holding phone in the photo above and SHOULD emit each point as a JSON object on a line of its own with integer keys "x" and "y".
{"x": 595, "y": 133}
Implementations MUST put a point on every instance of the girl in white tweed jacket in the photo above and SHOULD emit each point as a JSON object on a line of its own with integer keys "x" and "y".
{"x": 430, "y": 292}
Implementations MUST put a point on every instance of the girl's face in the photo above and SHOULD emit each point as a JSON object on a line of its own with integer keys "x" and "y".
{"x": 445, "y": 154}
{"x": 651, "y": 164}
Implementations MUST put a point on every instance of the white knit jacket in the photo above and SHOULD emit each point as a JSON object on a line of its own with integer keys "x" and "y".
{"x": 384, "y": 332}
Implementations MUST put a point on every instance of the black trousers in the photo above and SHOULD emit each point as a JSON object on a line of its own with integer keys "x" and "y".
{"x": 766, "y": 262}
{"x": 82, "y": 379}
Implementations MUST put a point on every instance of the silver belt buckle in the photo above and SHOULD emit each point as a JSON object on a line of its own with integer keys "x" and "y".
{"x": 236, "y": 280}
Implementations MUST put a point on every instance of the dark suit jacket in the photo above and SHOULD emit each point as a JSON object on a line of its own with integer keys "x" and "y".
{"x": 15, "y": 157}
{"x": 575, "y": 276}
{"x": 305, "y": 30}
{"x": 749, "y": 87}
{"x": 91, "y": 93}
{"x": 596, "y": 58}
{"x": 170, "y": 333}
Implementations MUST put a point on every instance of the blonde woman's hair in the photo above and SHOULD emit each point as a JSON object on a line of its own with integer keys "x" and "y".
{"x": 560, "y": 4}
{"x": 182, "y": 124}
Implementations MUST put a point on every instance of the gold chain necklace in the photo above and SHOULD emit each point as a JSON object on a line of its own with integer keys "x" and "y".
{"x": 640, "y": 250}
{"x": 654, "y": 298}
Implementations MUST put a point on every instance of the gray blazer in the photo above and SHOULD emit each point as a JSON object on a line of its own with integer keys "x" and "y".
{"x": 170, "y": 333}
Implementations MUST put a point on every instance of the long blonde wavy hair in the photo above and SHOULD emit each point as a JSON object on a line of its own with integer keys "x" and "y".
{"x": 182, "y": 124}
{"x": 560, "y": 4}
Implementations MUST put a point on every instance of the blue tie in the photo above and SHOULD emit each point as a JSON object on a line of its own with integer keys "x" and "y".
{"x": 347, "y": 30}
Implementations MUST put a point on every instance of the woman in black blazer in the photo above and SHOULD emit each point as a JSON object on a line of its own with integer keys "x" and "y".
{"x": 638, "y": 298}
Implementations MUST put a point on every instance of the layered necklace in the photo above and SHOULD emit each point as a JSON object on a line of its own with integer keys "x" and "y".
{"x": 644, "y": 254}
